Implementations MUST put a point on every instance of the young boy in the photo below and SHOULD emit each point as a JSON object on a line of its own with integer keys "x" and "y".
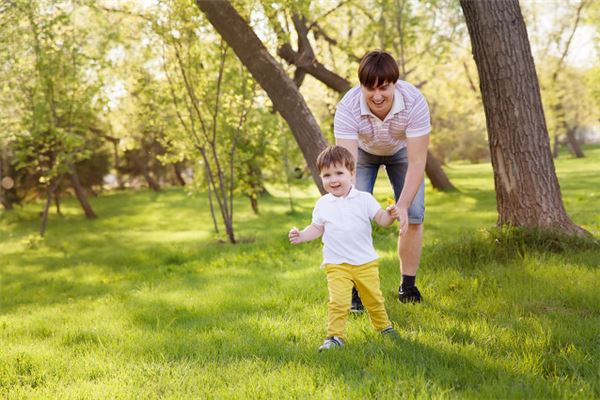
{"x": 343, "y": 217}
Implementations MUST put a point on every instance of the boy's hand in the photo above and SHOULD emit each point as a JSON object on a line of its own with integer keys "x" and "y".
{"x": 393, "y": 211}
{"x": 294, "y": 236}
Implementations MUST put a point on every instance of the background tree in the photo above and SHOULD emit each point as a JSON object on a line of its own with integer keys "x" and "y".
{"x": 527, "y": 190}
{"x": 8, "y": 195}
{"x": 556, "y": 43}
{"x": 272, "y": 78}
{"x": 212, "y": 109}
{"x": 55, "y": 80}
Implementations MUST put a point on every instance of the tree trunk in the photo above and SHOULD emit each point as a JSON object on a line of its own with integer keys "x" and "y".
{"x": 254, "y": 203}
{"x": 178, "y": 174}
{"x": 555, "y": 145}
{"x": 8, "y": 191}
{"x": 437, "y": 176}
{"x": 80, "y": 193}
{"x": 210, "y": 201}
{"x": 256, "y": 187}
{"x": 527, "y": 189}
{"x": 563, "y": 127}
{"x": 57, "y": 203}
{"x": 558, "y": 106}
{"x": 152, "y": 183}
{"x": 81, "y": 196}
{"x": 44, "y": 222}
{"x": 229, "y": 231}
{"x": 286, "y": 165}
{"x": 313, "y": 67}
{"x": 574, "y": 144}
{"x": 50, "y": 189}
{"x": 120, "y": 182}
{"x": 6, "y": 203}
{"x": 272, "y": 78}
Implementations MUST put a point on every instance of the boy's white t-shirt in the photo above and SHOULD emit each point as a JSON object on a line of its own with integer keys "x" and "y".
{"x": 346, "y": 226}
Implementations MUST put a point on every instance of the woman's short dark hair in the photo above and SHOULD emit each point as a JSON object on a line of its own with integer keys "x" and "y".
{"x": 335, "y": 155}
{"x": 377, "y": 67}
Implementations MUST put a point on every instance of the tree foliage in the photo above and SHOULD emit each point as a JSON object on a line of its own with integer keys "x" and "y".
{"x": 53, "y": 75}
{"x": 149, "y": 92}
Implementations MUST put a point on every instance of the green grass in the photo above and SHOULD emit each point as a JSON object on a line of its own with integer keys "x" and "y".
{"x": 145, "y": 302}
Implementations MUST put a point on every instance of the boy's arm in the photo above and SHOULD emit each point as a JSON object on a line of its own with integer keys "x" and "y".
{"x": 386, "y": 217}
{"x": 311, "y": 232}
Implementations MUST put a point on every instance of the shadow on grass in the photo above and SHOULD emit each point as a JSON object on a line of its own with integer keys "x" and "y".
{"x": 229, "y": 333}
{"x": 249, "y": 294}
{"x": 494, "y": 245}
{"x": 248, "y": 297}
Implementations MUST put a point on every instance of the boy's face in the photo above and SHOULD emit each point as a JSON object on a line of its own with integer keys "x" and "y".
{"x": 337, "y": 180}
{"x": 379, "y": 98}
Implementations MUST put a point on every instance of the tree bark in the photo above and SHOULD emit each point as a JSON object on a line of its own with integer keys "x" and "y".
{"x": 229, "y": 231}
{"x": 117, "y": 163}
{"x": 4, "y": 200}
{"x": 5, "y": 203}
{"x": 575, "y": 147}
{"x": 313, "y": 67}
{"x": 555, "y": 145}
{"x": 436, "y": 175}
{"x": 80, "y": 193}
{"x": 152, "y": 183}
{"x": 44, "y": 221}
{"x": 305, "y": 61}
{"x": 271, "y": 77}
{"x": 254, "y": 204}
{"x": 57, "y": 203}
{"x": 558, "y": 107}
{"x": 563, "y": 127}
{"x": 50, "y": 189}
{"x": 8, "y": 194}
{"x": 210, "y": 201}
{"x": 178, "y": 174}
{"x": 527, "y": 189}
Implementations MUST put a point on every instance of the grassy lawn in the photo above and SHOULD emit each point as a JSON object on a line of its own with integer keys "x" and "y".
{"x": 144, "y": 302}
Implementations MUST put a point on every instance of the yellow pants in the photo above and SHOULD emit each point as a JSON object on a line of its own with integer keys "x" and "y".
{"x": 340, "y": 279}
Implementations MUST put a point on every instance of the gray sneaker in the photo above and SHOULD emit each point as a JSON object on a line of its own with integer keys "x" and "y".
{"x": 331, "y": 343}
{"x": 390, "y": 333}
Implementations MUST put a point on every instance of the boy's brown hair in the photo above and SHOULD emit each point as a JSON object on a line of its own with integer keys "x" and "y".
{"x": 377, "y": 67}
{"x": 335, "y": 155}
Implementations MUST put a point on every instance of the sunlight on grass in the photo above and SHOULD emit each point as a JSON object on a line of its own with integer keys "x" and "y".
{"x": 147, "y": 302}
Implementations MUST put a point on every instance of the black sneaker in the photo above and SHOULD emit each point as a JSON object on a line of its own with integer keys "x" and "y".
{"x": 357, "y": 305}
{"x": 409, "y": 295}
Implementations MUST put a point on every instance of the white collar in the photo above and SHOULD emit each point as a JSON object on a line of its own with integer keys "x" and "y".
{"x": 352, "y": 193}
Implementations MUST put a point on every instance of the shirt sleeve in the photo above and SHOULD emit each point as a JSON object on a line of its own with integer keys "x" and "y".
{"x": 344, "y": 123}
{"x": 372, "y": 205}
{"x": 419, "y": 122}
{"x": 316, "y": 216}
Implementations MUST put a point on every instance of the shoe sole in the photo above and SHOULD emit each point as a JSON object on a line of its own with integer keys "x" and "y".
{"x": 409, "y": 301}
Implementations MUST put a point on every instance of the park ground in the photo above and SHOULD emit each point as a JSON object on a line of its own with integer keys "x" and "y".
{"x": 147, "y": 302}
